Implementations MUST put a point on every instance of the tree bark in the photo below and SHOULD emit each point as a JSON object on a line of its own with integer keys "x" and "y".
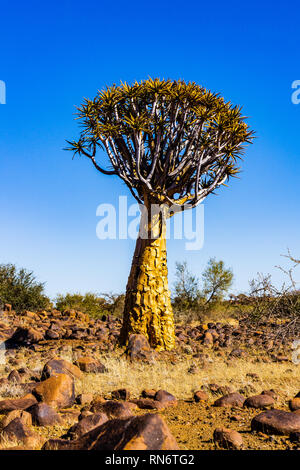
{"x": 148, "y": 308}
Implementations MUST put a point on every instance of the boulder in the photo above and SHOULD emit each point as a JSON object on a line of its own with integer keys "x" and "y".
{"x": 24, "y": 416}
{"x": 89, "y": 364}
{"x": 120, "y": 394}
{"x": 166, "y": 398}
{"x": 60, "y": 366}
{"x": 259, "y": 401}
{"x": 276, "y": 422}
{"x": 200, "y": 395}
{"x": 228, "y": 438}
{"x": 17, "y": 431}
{"x": 138, "y": 348}
{"x": 147, "y": 432}
{"x": 86, "y": 424}
{"x": 58, "y": 391}
{"x": 231, "y": 399}
{"x": 294, "y": 404}
{"x": 113, "y": 409}
{"x": 43, "y": 415}
{"x": 26, "y": 336}
{"x": 11, "y": 404}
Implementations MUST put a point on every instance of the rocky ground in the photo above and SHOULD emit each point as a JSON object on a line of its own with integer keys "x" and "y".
{"x": 66, "y": 384}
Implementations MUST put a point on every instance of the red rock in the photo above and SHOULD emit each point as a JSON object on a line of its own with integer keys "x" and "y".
{"x": 259, "y": 401}
{"x": 11, "y": 404}
{"x": 276, "y": 422}
{"x": 147, "y": 432}
{"x": 232, "y": 399}
{"x": 200, "y": 395}
{"x": 113, "y": 409}
{"x": 228, "y": 439}
{"x": 58, "y": 391}
{"x": 60, "y": 366}
{"x": 166, "y": 398}
{"x": 43, "y": 415}
{"x": 89, "y": 364}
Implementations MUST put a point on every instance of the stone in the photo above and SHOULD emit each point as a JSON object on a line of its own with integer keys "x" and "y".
{"x": 24, "y": 416}
{"x": 138, "y": 348}
{"x": 113, "y": 409}
{"x": 86, "y": 424}
{"x": 60, "y": 366}
{"x": 120, "y": 394}
{"x": 17, "y": 431}
{"x": 26, "y": 336}
{"x": 228, "y": 438}
{"x": 84, "y": 398}
{"x": 58, "y": 391}
{"x": 166, "y": 398}
{"x": 295, "y": 437}
{"x": 14, "y": 376}
{"x": 146, "y": 432}
{"x": 89, "y": 364}
{"x": 276, "y": 422}
{"x": 149, "y": 404}
{"x": 294, "y": 404}
{"x": 231, "y": 399}
{"x": 11, "y": 404}
{"x": 200, "y": 395}
{"x": 149, "y": 393}
{"x": 259, "y": 401}
{"x": 43, "y": 415}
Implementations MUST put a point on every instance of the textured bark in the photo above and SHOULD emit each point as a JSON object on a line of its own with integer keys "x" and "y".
{"x": 148, "y": 309}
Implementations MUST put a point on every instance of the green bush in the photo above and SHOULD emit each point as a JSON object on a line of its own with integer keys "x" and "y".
{"x": 91, "y": 303}
{"x": 20, "y": 288}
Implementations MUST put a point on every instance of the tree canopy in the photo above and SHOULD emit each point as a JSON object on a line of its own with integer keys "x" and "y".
{"x": 170, "y": 141}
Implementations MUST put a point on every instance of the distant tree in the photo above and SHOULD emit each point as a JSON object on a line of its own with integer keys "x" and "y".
{"x": 172, "y": 143}
{"x": 186, "y": 287}
{"x": 20, "y": 288}
{"x": 217, "y": 280}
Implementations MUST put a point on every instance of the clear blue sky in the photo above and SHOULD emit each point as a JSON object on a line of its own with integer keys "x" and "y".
{"x": 54, "y": 53}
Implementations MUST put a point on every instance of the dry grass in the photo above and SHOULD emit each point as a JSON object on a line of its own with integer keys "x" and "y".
{"x": 175, "y": 378}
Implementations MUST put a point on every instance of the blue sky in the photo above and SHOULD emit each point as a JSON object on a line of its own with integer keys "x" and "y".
{"x": 55, "y": 53}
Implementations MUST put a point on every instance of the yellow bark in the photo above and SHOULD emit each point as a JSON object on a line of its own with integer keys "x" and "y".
{"x": 148, "y": 309}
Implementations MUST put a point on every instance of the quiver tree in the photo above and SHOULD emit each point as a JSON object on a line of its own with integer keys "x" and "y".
{"x": 172, "y": 143}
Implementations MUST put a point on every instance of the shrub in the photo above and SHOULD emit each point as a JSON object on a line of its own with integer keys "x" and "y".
{"x": 20, "y": 288}
{"x": 93, "y": 304}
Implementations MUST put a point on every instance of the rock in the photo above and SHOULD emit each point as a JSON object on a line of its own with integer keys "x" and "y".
{"x": 121, "y": 394}
{"x": 147, "y": 432}
{"x": 166, "y": 398}
{"x": 138, "y": 348}
{"x": 149, "y": 404}
{"x": 84, "y": 398}
{"x": 24, "y": 416}
{"x": 14, "y": 376}
{"x": 294, "y": 404}
{"x": 208, "y": 339}
{"x": 26, "y": 336}
{"x": 7, "y": 308}
{"x": 60, "y": 366}
{"x": 271, "y": 392}
{"x": 200, "y": 395}
{"x": 232, "y": 399}
{"x": 150, "y": 393}
{"x": 89, "y": 364}
{"x": 58, "y": 391}
{"x": 259, "y": 401}
{"x": 276, "y": 422}
{"x": 11, "y": 404}
{"x": 43, "y": 415}
{"x": 17, "y": 431}
{"x": 228, "y": 439}
{"x": 113, "y": 409}
{"x": 86, "y": 424}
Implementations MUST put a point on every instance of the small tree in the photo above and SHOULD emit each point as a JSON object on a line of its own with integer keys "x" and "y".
{"x": 172, "y": 143}
{"x": 21, "y": 289}
{"x": 186, "y": 287}
{"x": 217, "y": 280}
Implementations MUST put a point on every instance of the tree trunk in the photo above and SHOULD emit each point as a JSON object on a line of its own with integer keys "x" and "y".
{"x": 148, "y": 309}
